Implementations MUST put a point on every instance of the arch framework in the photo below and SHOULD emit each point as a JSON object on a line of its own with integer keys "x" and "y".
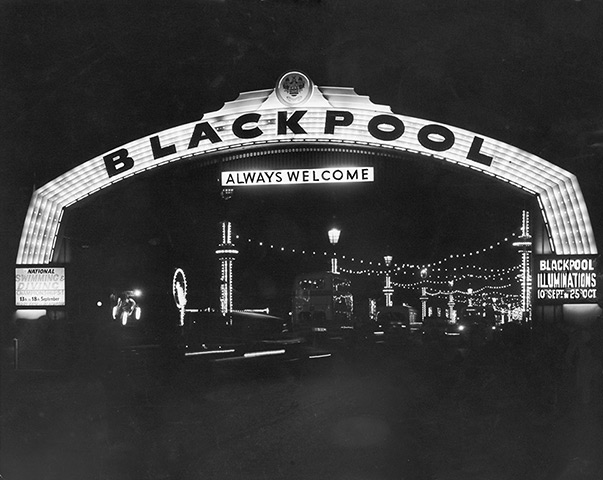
{"x": 322, "y": 116}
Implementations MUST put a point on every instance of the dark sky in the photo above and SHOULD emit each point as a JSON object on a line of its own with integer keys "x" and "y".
{"x": 78, "y": 78}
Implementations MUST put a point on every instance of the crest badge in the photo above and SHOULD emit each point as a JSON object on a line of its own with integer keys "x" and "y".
{"x": 294, "y": 88}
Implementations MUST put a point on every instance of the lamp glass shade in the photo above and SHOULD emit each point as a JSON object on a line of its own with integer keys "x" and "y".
{"x": 334, "y": 235}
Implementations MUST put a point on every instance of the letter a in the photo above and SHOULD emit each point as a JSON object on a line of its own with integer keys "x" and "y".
{"x": 203, "y": 131}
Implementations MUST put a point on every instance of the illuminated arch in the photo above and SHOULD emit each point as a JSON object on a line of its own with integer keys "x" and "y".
{"x": 328, "y": 116}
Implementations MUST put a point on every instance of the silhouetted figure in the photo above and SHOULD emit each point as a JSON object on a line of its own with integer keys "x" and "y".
{"x": 581, "y": 359}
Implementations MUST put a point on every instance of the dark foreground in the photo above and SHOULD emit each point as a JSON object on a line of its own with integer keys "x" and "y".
{"x": 421, "y": 411}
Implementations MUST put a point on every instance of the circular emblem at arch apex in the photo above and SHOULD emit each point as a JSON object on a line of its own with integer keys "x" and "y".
{"x": 294, "y": 88}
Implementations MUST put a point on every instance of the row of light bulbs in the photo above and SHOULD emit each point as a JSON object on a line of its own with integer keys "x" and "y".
{"x": 502, "y": 274}
{"x": 482, "y": 296}
{"x": 470, "y": 254}
{"x": 477, "y": 291}
{"x": 413, "y": 285}
{"x": 401, "y": 268}
{"x": 434, "y": 269}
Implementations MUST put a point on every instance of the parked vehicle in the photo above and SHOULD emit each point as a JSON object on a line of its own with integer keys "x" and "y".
{"x": 323, "y": 306}
{"x": 126, "y": 306}
{"x": 392, "y": 325}
{"x": 474, "y": 327}
{"x": 244, "y": 337}
{"x": 435, "y": 328}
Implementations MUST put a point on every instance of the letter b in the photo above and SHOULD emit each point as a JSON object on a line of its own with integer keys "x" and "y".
{"x": 118, "y": 162}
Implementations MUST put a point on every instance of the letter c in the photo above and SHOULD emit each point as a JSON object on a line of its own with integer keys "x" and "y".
{"x": 239, "y": 131}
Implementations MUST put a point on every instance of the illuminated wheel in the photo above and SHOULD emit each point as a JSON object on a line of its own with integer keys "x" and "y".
{"x": 179, "y": 292}
{"x": 124, "y": 317}
{"x": 179, "y": 288}
{"x": 115, "y": 311}
{"x": 137, "y": 313}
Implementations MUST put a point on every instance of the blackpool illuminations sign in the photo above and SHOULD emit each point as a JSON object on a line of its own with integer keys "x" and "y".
{"x": 565, "y": 279}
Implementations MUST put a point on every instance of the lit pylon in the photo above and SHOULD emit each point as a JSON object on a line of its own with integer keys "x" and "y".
{"x": 524, "y": 246}
{"x": 424, "y": 274}
{"x": 226, "y": 253}
{"x": 388, "y": 290}
{"x": 451, "y": 313}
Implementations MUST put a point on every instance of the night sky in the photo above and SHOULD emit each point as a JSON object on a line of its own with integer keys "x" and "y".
{"x": 80, "y": 78}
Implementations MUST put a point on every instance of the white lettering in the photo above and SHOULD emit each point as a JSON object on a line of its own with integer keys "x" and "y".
{"x": 297, "y": 176}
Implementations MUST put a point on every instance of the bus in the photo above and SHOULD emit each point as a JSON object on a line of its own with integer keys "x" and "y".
{"x": 323, "y": 305}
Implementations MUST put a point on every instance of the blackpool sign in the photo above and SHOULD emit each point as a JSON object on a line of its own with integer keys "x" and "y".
{"x": 565, "y": 279}
{"x": 300, "y": 114}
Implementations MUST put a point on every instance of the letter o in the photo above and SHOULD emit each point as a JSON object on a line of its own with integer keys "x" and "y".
{"x": 337, "y": 175}
{"x": 394, "y": 122}
{"x": 438, "y": 146}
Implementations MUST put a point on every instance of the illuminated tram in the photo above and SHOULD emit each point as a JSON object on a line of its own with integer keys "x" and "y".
{"x": 323, "y": 305}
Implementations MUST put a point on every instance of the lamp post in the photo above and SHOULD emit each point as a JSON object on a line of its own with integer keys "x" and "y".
{"x": 387, "y": 289}
{"x": 334, "y": 238}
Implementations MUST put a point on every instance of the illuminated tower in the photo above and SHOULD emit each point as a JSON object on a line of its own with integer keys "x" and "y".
{"x": 451, "y": 312}
{"x": 424, "y": 274}
{"x": 524, "y": 247}
{"x": 226, "y": 253}
{"x": 388, "y": 291}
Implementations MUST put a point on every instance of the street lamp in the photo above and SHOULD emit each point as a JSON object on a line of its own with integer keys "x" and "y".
{"x": 387, "y": 289}
{"x": 334, "y": 238}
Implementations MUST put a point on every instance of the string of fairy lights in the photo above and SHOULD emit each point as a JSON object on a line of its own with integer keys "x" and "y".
{"x": 379, "y": 268}
{"x": 442, "y": 275}
{"x": 485, "y": 293}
